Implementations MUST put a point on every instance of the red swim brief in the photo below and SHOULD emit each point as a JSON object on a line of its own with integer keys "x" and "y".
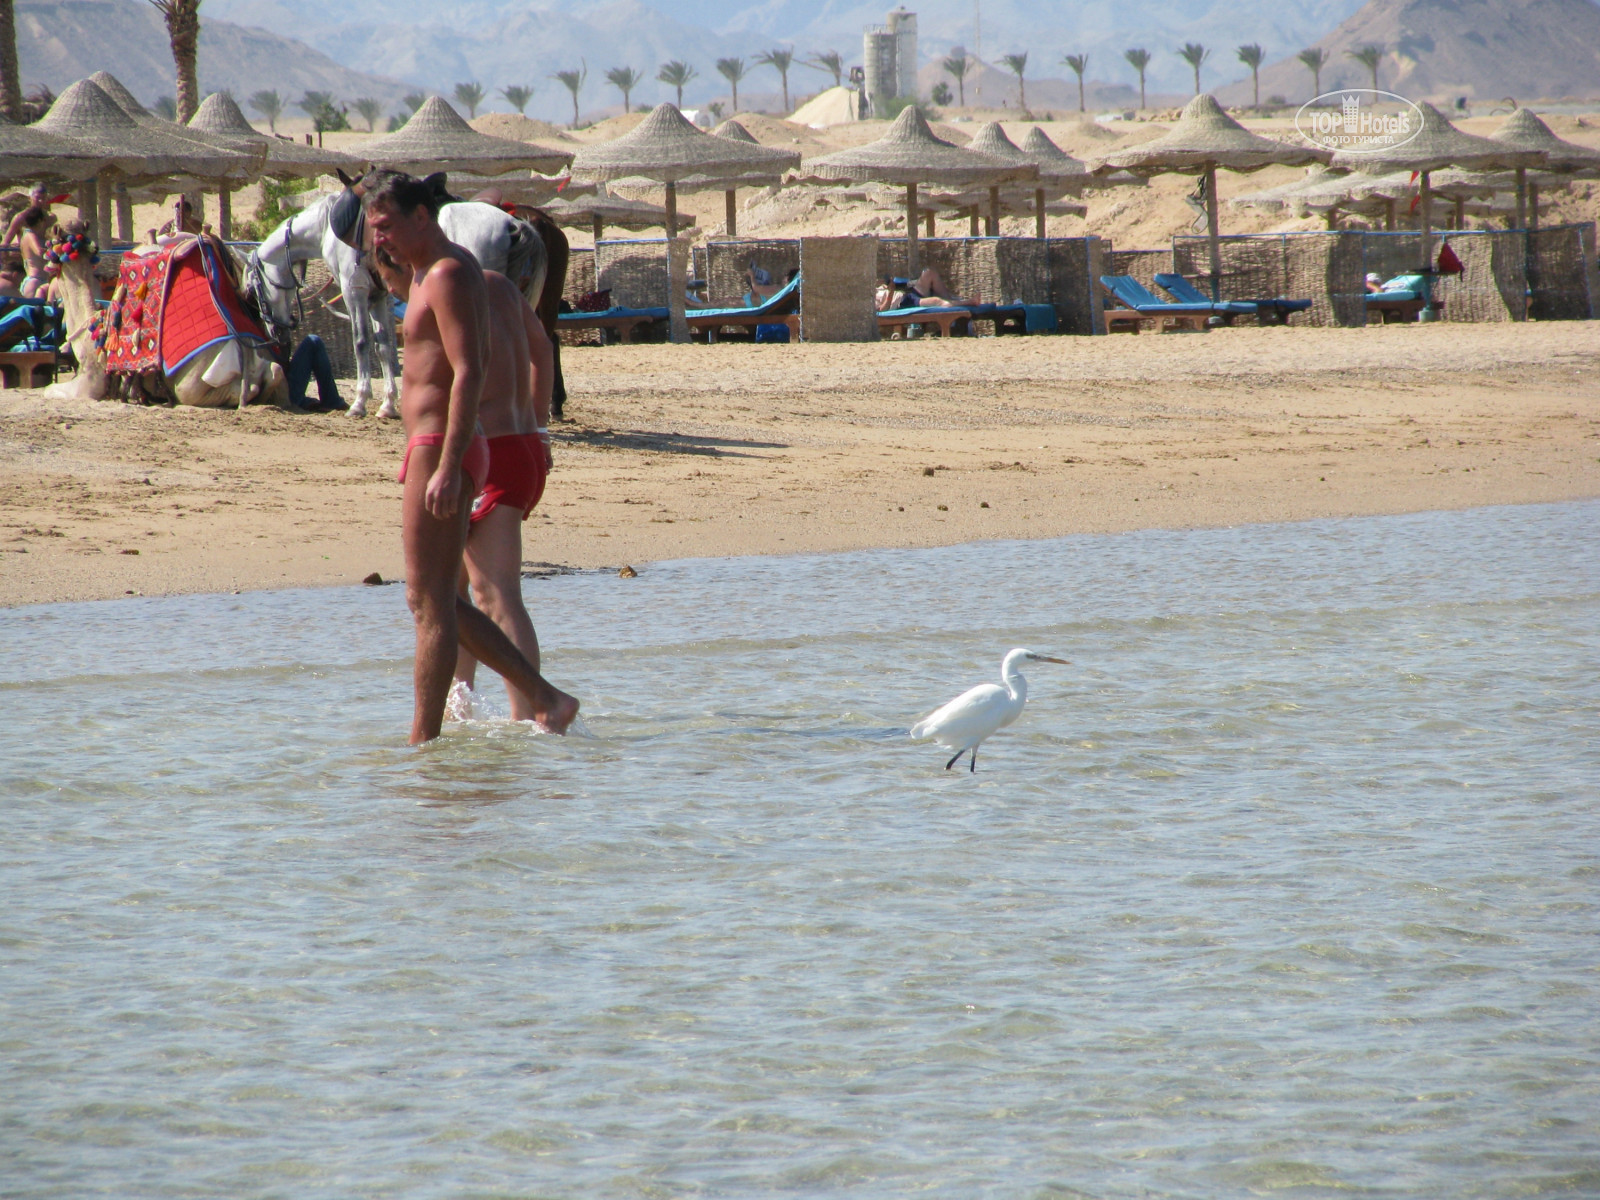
{"x": 474, "y": 463}
{"x": 516, "y": 475}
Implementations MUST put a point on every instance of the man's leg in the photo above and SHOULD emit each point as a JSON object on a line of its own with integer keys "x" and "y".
{"x": 466, "y": 664}
{"x": 322, "y": 368}
{"x": 494, "y": 562}
{"x": 552, "y": 708}
{"x": 433, "y": 565}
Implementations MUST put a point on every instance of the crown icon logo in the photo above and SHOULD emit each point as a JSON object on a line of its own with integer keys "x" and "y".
{"x": 1352, "y": 108}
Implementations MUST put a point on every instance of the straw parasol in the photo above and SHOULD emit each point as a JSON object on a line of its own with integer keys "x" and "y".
{"x": 910, "y": 154}
{"x": 1204, "y": 139}
{"x": 1523, "y": 130}
{"x": 437, "y": 139}
{"x": 28, "y": 153}
{"x": 84, "y": 113}
{"x": 1438, "y": 144}
{"x": 782, "y": 159}
{"x": 665, "y": 148}
{"x": 599, "y": 210}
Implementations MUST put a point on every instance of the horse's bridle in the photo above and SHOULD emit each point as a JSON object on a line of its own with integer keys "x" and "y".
{"x": 259, "y": 280}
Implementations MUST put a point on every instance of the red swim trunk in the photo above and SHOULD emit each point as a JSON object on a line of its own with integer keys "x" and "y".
{"x": 474, "y": 463}
{"x": 516, "y": 475}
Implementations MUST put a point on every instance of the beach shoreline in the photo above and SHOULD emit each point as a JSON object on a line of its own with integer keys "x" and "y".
{"x": 678, "y": 452}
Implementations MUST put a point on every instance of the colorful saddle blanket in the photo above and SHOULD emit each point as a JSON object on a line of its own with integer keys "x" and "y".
{"x": 171, "y": 304}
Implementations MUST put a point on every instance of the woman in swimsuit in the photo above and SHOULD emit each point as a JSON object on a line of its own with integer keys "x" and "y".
{"x": 36, "y": 223}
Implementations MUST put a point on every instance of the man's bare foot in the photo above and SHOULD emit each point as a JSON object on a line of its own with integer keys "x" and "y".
{"x": 559, "y": 716}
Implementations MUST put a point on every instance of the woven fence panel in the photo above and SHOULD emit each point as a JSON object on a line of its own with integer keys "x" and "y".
{"x": 1324, "y": 268}
{"x": 580, "y": 273}
{"x": 1492, "y": 285}
{"x": 1075, "y": 266}
{"x": 1253, "y": 268}
{"x": 838, "y": 277}
{"x": 1558, "y": 264}
{"x": 728, "y": 260}
{"x": 331, "y": 327}
{"x": 635, "y": 272}
{"x": 1141, "y": 264}
{"x": 1022, "y": 270}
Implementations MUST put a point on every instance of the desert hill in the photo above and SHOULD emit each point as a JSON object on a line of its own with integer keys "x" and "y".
{"x": 62, "y": 41}
{"x": 1444, "y": 49}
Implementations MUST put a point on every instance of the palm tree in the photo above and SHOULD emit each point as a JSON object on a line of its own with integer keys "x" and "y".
{"x": 624, "y": 79}
{"x": 957, "y": 66}
{"x": 1017, "y": 64}
{"x": 1252, "y": 56}
{"x": 1368, "y": 56}
{"x": 830, "y": 61}
{"x": 1314, "y": 60}
{"x": 182, "y": 19}
{"x": 1139, "y": 59}
{"x": 517, "y": 95}
{"x": 779, "y": 60}
{"x": 733, "y": 70}
{"x": 369, "y": 109}
{"x": 1194, "y": 54}
{"x": 270, "y": 106}
{"x": 10, "y": 76}
{"x": 573, "y": 82}
{"x": 471, "y": 95}
{"x": 1079, "y": 64}
{"x": 414, "y": 101}
{"x": 677, "y": 75}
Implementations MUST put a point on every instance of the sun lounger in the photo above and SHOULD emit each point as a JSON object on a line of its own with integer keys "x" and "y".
{"x": 31, "y": 335}
{"x": 1402, "y": 299}
{"x": 625, "y": 322}
{"x": 1134, "y": 305}
{"x": 949, "y": 319}
{"x": 781, "y": 308}
{"x": 946, "y": 320}
{"x": 1274, "y": 311}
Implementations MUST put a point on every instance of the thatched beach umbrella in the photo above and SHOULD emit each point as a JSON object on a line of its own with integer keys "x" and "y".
{"x": 1057, "y": 169}
{"x": 28, "y": 153}
{"x": 781, "y": 160}
{"x": 86, "y": 114}
{"x": 1438, "y": 144}
{"x": 1204, "y": 139}
{"x": 597, "y": 211}
{"x": 1523, "y": 130}
{"x": 665, "y": 148}
{"x": 437, "y": 139}
{"x": 219, "y": 119}
{"x": 910, "y": 154}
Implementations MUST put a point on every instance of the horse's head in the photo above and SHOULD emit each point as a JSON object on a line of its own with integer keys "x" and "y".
{"x": 270, "y": 283}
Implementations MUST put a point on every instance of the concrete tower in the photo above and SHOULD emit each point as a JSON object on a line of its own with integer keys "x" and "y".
{"x": 903, "y": 25}
{"x": 878, "y": 58}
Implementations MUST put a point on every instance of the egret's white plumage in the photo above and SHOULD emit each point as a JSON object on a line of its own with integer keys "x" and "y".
{"x": 966, "y": 721}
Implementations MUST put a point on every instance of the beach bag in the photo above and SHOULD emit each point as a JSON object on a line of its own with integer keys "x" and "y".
{"x": 1449, "y": 263}
{"x": 593, "y": 301}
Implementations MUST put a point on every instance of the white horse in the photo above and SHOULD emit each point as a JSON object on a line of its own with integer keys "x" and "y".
{"x": 270, "y": 278}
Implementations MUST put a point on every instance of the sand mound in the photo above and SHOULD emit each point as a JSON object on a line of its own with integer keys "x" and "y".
{"x": 774, "y": 131}
{"x": 612, "y": 127}
{"x": 519, "y": 128}
{"x": 832, "y": 107}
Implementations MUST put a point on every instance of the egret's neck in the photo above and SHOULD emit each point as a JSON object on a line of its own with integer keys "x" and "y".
{"x": 1011, "y": 676}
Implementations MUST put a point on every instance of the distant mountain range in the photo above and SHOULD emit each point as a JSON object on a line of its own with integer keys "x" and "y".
{"x": 384, "y": 48}
{"x": 62, "y": 41}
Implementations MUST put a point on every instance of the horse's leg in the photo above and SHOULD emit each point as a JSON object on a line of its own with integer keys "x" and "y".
{"x": 355, "y": 303}
{"x": 390, "y": 357}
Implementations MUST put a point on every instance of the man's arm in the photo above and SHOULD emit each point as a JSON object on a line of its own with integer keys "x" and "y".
{"x": 542, "y": 355}
{"x": 458, "y": 305}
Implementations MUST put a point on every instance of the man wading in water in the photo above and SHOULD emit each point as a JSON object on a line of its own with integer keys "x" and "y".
{"x": 447, "y": 459}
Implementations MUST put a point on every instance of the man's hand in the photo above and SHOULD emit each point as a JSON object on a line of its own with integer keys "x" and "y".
{"x": 549, "y": 459}
{"x": 444, "y": 492}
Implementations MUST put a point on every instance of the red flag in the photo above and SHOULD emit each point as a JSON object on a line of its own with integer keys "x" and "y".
{"x": 1449, "y": 263}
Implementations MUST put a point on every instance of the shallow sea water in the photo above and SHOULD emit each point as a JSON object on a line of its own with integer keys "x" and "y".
{"x": 1288, "y": 885}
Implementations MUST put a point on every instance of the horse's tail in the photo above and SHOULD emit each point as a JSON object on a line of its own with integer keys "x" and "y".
{"x": 527, "y": 265}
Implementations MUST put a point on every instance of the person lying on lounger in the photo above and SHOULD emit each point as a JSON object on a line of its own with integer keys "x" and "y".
{"x": 927, "y": 290}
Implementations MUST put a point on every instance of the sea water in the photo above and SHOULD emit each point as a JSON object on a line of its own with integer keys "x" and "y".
{"x": 1287, "y": 885}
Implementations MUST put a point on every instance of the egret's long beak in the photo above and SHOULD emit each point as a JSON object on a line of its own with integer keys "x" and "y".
{"x": 1046, "y": 658}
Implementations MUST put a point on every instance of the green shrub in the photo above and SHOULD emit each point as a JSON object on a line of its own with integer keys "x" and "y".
{"x": 272, "y": 213}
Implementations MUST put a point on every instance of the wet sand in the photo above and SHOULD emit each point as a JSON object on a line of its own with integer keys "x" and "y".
{"x": 679, "y": 451}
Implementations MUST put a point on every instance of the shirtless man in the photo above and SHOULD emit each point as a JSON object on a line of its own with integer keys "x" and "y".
{"x": 447, "y": 458}
{"x": 514, "y": 416}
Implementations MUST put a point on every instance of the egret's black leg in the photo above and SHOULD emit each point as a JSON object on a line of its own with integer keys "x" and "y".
{"x": 952, "y": 762}
{"x": 974, "y": 760}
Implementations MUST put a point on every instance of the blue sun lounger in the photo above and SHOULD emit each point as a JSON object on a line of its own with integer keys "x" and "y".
{"x": 619, "y": 318}
{"x": 781, "y": 308}
{"x": 1138, "y": 305}
{"x": 1402, "y": 299}
{"x": 1266, "y": 312}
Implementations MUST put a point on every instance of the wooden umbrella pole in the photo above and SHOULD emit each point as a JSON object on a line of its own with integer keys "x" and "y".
{"x": 1388, "y": 215}
{"x": 225, "y": 213}
{"x": 1522, "y": 197}
{"x": 124, "y": 214}
{"x": 1214, "y": 231}
{"x": 1038, "y": 213}
{"x": 928, "y": 217}
{"x": 729, "y": 198}
{"x": 597, "y": 226}
{"x": 1460, "y": 219}
{"x": 88, "y": 202}
{"x": 911, "y": 231}
{"x": 102, "y": 211}
{"x": 672, "y": 211}
{"x": 993, "y": 229}
{"x": 1425, "y": 217}
{"x": 1533, "y": 208}
{"x": 972, "y": 221}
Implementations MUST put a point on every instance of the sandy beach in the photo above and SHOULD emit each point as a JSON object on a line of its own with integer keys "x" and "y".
{"x": 683, "y": 451}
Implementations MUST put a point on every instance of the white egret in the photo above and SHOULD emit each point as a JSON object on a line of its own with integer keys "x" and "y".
{"x": 972, "y": 716}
